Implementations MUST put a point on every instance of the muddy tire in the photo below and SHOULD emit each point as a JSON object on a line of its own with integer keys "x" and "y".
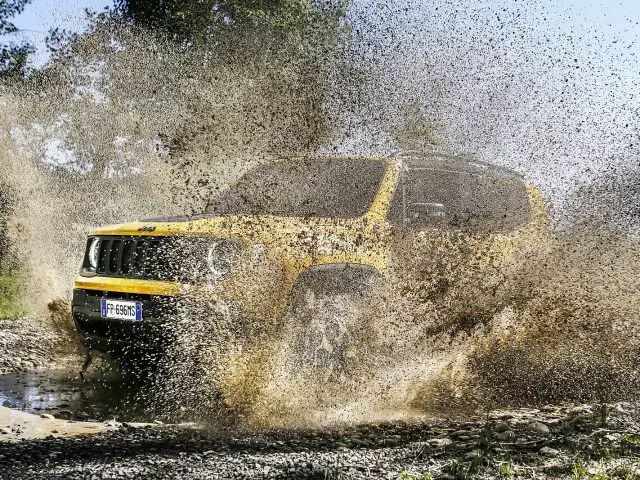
{"x": 332, "y": 332}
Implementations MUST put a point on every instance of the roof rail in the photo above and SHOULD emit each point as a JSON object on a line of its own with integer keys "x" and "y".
{"x": 466, "y": 159}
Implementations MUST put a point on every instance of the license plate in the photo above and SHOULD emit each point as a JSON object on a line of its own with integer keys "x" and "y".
{"x": 121, "y": 309}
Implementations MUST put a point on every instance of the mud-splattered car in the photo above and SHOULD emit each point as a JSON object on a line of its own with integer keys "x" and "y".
{"x": 304, "y": 234}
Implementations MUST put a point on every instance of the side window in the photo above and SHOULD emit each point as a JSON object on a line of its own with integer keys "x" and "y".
{"x": 428, "y": 197}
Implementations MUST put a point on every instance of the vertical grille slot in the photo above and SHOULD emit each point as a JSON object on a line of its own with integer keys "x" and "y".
{"x": 103, "y": 255}
{"x": 137, "y": 258}
{"x": 114, "y": 256}
{"x": 127, "y": 251}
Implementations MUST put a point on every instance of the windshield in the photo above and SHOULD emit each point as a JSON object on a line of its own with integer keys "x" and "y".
{"x": 304, "y": 188}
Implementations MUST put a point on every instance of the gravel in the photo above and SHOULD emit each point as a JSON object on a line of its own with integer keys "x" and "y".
{"x": 355, "y": 452}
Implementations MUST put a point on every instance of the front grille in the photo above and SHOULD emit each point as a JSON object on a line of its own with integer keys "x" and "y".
{"x": 131, "y": 257}
{"x": 154, "y": 258}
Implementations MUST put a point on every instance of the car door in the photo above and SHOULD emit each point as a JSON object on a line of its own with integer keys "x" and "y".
{"x": 427, "y": 219}
{"x": 444, "y": 225}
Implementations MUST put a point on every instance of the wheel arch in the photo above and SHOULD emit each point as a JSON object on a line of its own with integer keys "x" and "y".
{"x": 335, "y": 278}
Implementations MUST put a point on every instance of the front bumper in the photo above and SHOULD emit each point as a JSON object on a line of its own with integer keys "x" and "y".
{"x": 153, "y": 332}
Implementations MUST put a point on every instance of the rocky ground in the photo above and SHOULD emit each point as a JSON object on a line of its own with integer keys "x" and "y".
{"x": 23, "y": 346}
{"x": 578, "y": 442}
{"x": 552, "y": 442}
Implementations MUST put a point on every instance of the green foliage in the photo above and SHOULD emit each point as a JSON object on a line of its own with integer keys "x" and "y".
{"x": 9, "y": 9}
{"x": 578, "y": 470}
{"x": 13, "y": 56}
{"x": 10, "y": 298}
{"x": 207, "y": 19}
{"x": 409, "y": 475}
{"x": 465, "y": 470}
{"x": 507, "y": 469}
{"x": 416, "y": 131}
{"x": 599, "y": 476}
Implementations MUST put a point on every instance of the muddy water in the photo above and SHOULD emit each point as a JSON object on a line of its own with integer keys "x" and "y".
{"x": 65, "y": 395}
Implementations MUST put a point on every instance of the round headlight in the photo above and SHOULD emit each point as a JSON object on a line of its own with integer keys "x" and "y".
{"x": 222, "y": 258}
{"x": 93, "y": 253}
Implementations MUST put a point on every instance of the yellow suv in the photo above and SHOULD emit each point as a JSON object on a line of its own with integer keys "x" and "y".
{"x": 303, "y": 230}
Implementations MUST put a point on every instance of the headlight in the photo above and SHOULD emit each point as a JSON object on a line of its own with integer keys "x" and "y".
{"x": 92, "y": 254}
{"x": 222, "y": 257}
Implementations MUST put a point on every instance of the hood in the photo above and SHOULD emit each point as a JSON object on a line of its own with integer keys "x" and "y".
{"x": 250, "y": 228}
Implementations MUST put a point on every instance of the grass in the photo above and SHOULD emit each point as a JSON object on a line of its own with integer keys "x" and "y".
{"x": 578, "y": 470}
{"x": 10, "y": 298}
{"x": 506, "y": 469}
{"x": 408, "y": 475}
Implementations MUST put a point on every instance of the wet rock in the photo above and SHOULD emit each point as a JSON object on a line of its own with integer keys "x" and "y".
{"x": 471, "y": 455}
{"x": 441, "y": 442}
{"x": 580, "y": 409}
{"x": 549, "y": 452}
{"x": 502, "y": 427}
{"x": 505, "y": 436}
{"x": 538, "y": 427}
{"x": 581, "y": 418}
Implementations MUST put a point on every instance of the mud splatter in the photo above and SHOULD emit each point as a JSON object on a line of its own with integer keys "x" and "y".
{"x": 130, "y": 126}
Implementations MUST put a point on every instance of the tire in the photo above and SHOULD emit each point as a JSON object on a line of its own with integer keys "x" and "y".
{"x": 332, "y": 332}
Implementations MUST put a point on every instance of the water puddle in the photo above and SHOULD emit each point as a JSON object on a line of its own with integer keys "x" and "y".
{"x": 65, "y": 395}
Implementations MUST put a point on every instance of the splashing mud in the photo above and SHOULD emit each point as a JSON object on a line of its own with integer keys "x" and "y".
{"x": 130, "y": 126}
{"x": 552, "y": 333}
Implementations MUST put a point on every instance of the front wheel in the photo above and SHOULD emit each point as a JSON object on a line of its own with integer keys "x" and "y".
{"x": 332, "y": 333}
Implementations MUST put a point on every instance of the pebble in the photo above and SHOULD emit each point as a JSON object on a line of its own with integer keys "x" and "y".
{"x": 538, "y": 427}
{"x": 505, "y": 436}
{"x": 502, "y": 427}
{"x": 549, "y": 452}
{"x": 441, "y": 442}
